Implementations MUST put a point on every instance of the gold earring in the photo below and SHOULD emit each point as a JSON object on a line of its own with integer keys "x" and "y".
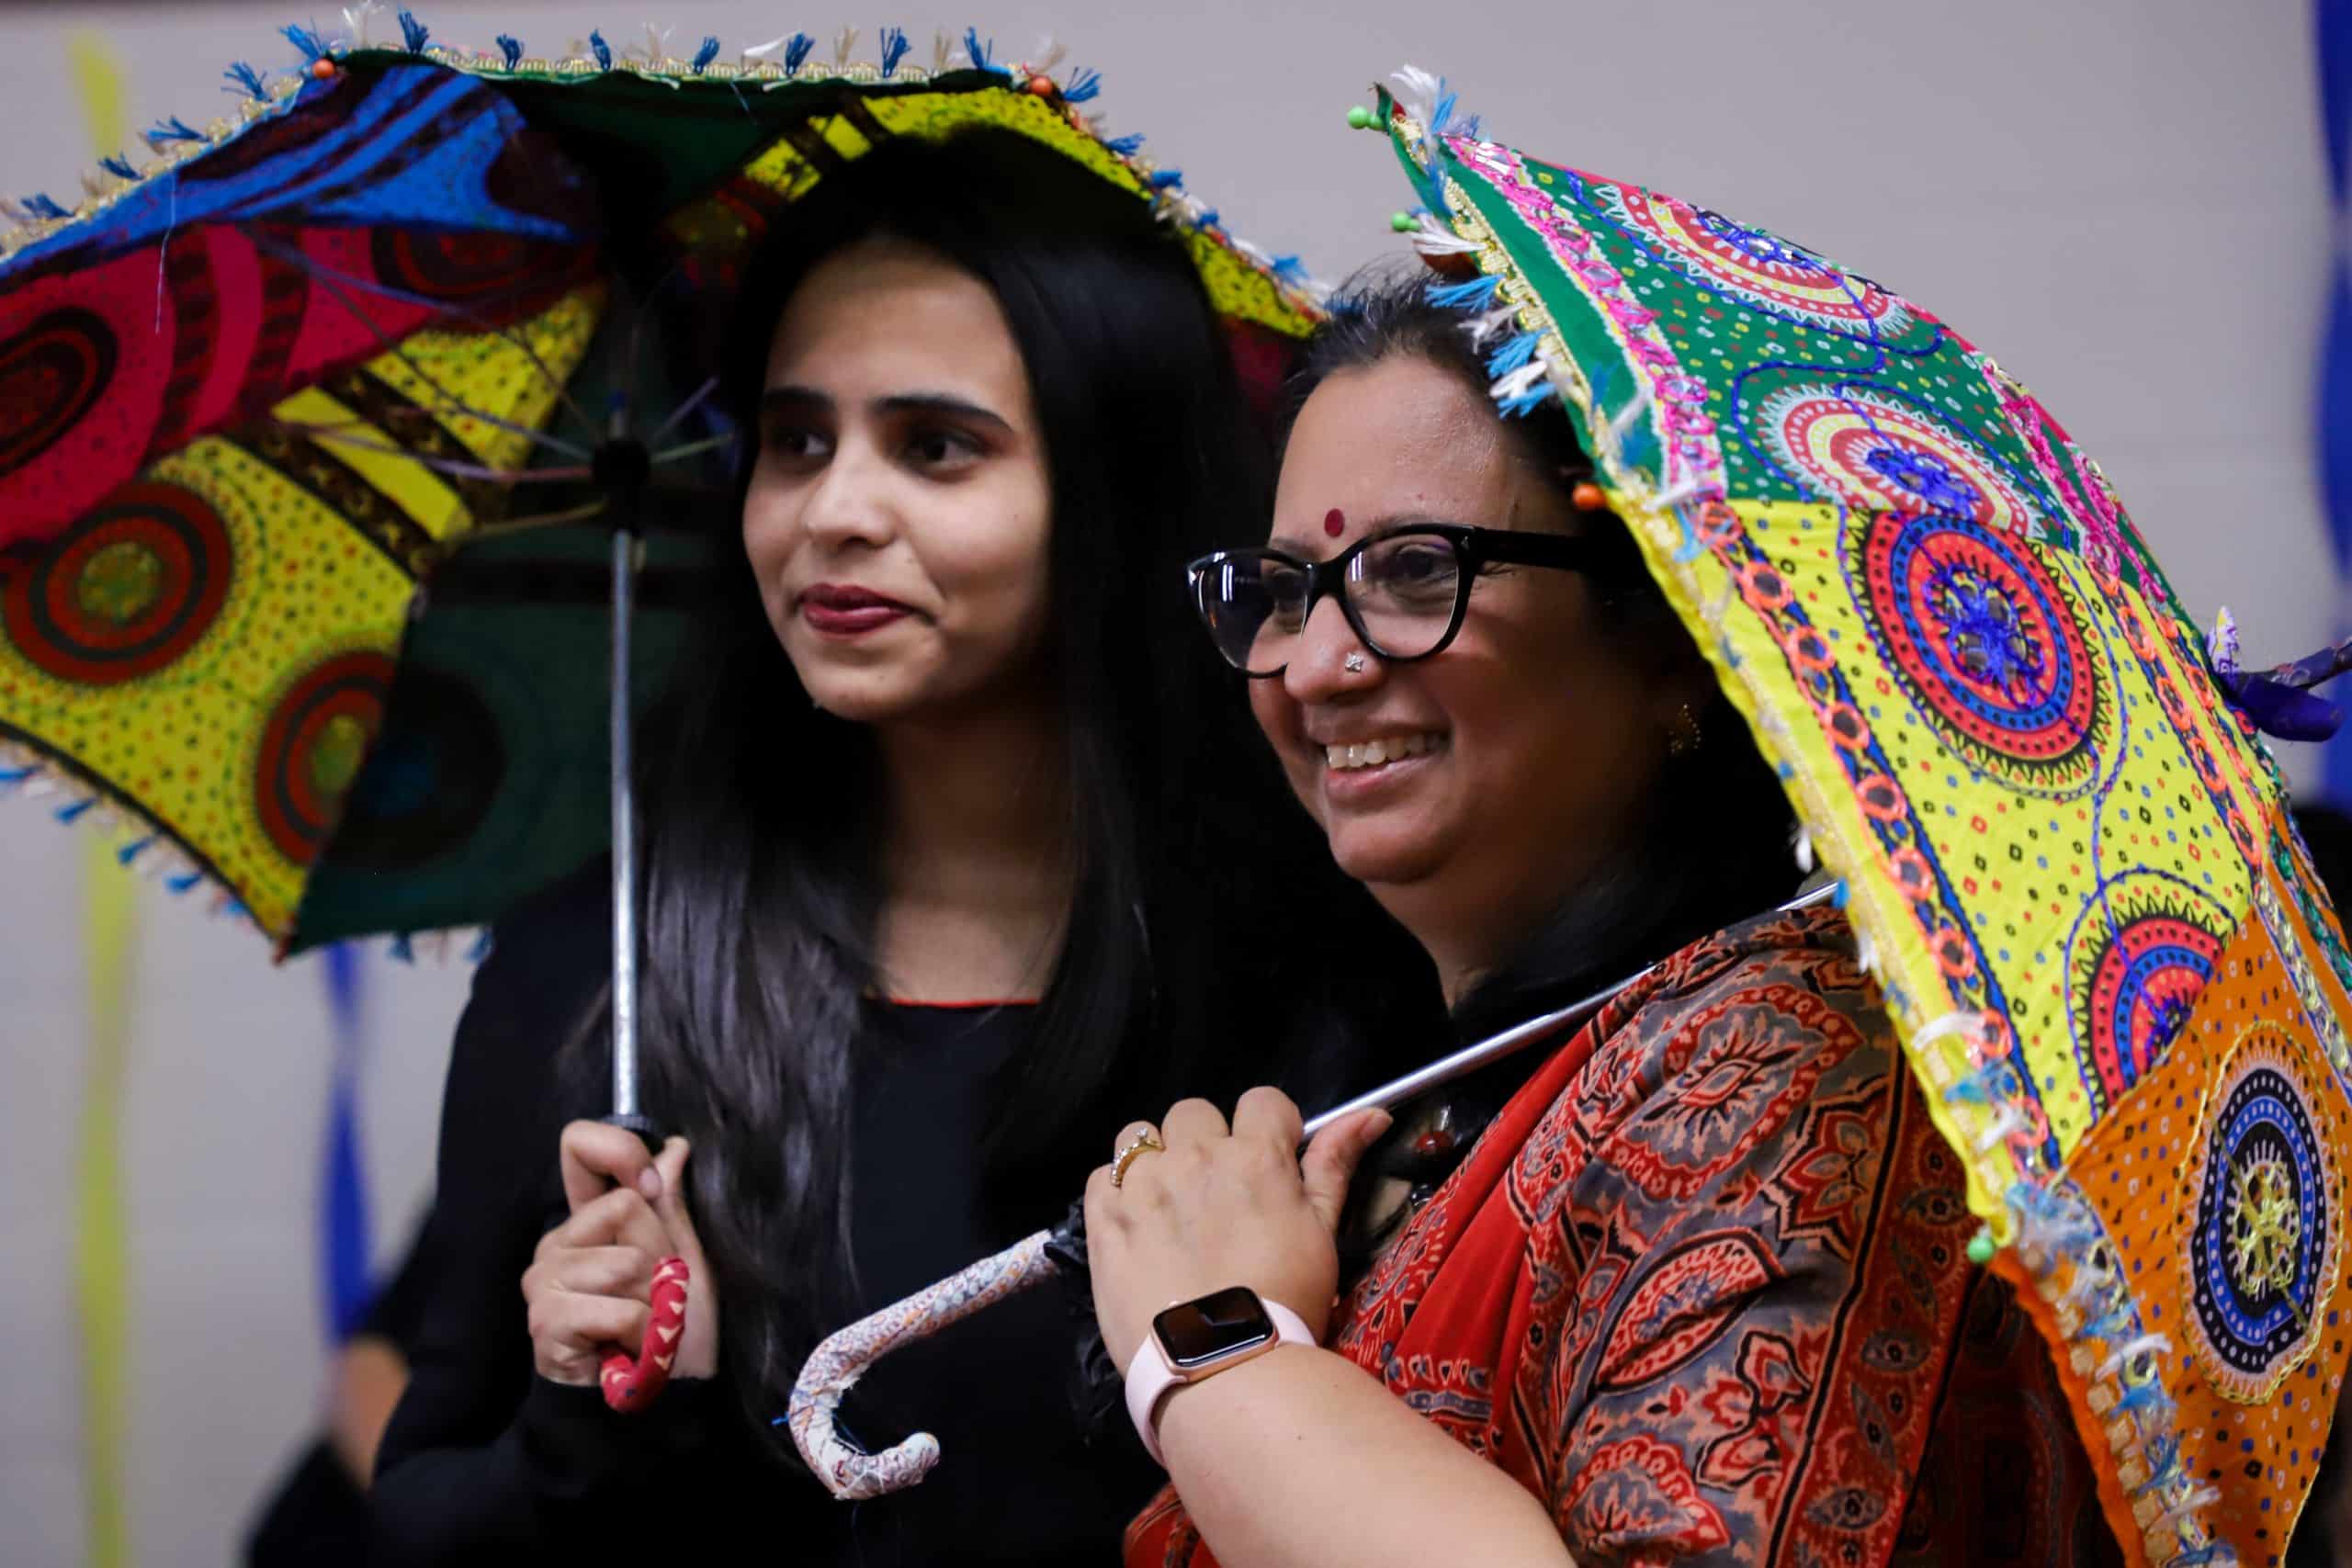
{"x": 1682, "y": 735}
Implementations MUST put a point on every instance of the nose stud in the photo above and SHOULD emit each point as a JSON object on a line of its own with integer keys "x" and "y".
{"x": 1352, "y": 663}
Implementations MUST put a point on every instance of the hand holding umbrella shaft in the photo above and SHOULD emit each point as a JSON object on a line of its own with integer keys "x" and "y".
{"x": 614, "y": 1274}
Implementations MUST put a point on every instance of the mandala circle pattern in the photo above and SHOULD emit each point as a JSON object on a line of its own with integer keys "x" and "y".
{"x": 51, "y": 375}
{"x": 431, "y": 781}
{"x": 1874, "y": 453}
{"x": 2263, "y": 1250}
{"x": 126, "y": 592}
{"x": 1987, "y": 645}
{"x": 2140, "y": 956}
{"x": 459, "y": 265}
{"x": 1761, "y": 269}
{"x": 311, "y": 746}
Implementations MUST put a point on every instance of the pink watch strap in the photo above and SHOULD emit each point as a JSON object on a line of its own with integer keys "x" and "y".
{"x": 1149, "y": 1377}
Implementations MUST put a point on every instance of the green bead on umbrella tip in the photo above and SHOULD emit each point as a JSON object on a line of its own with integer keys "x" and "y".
{"x": 1980, "y": 1247}
{"x": 1359, "y": 118}
{"x": 1402, "y": 223}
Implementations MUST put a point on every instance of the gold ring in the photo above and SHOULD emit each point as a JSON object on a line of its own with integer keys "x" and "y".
{"x": 1144, "y": 1143}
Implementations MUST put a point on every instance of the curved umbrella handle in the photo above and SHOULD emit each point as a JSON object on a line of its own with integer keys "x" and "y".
{"x": 632, "y": 1382}
{"x": 848, "y": 1473}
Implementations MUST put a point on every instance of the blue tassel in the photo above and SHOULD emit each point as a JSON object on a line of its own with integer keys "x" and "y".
{"x": 1291, "y": 270}
{"x": 1526, "y": 403}
{"x": 1207, "y": 217}
{"x": 1838, "y": 899}
{"x": 480, "y": 948}
{"x": 512, "y": 48}
{"x": 2213, "y": 1555}
{"x": 76, "y": 811}
{"x": 401, "y": 950}
{"x": 1443, "y": 113}
{"x": 172, "y": 130}
{"x": 894, "y": 49}
{"x": 39, "y": 206}
{"x": 2110, "y": 1328}
{"x": 600, "y": 49}
{"x": 983, "y": 54}
{"x": 797, "y": 50}
{"x": 1084, "y": 88}
{"x": 1167, "y": 179}
{"x": 181, "y": 882}
{"x": 2142, "y": 1396}
{"x": 1125, "y": 146}
{"x": 705, "y": 55}
{"x": 132, "y": 850}
{"x": 413, "y": 32}
{"x": 11, "y": 777}
{"x": 311, "y": 45}
{"x": 243, "y": 77}
{"x": 1478, "y": 293}
{"x": 1512, "y": 354}
{"x": 119, "y": 167}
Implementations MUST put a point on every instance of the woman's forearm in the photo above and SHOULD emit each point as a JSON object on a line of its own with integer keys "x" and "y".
{"x": 1301, "y": 1460}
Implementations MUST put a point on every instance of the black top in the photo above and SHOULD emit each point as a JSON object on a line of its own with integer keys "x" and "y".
{"x": 486, "y": 1461}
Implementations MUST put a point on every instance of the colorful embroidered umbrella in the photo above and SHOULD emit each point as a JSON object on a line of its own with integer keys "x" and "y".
{"x": 2068, "y": 854}
{"x": 251, "y": 395}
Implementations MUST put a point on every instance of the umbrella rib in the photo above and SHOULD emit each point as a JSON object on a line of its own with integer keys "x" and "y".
{"x": 439, "y": 465}
{"x": 462, "y": 313}
{"x": 693, "y": 449}
{"x": 678, "y": 414}
{"x": 335, "y": 282}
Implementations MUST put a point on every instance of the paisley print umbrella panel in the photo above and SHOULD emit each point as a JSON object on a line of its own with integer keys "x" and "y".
{"x": 2068, "y": 856}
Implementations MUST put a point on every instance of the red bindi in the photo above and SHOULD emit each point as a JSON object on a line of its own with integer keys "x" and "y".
{"x": 1335, "y": 521}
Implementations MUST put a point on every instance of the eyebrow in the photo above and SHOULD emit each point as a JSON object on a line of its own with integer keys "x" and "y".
{"x": 791, "y": 395}
{"x": 1386, "y": 524}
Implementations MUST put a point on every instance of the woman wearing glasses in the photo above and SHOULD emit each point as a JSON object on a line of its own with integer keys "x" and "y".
{"x": 1687, "y": 1284}
{"x": 953, "y": 848}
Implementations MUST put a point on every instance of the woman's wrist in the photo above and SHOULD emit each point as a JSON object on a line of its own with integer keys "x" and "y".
{"x": 1192, "y": 1415}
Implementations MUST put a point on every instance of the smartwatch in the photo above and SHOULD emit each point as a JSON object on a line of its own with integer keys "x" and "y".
{"x": 1200, "y": 1338}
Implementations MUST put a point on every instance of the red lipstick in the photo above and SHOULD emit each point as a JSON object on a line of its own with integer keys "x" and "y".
{"x": 840, "y": 609}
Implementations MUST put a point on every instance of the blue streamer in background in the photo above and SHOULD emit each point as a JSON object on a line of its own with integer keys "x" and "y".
{"x": 346, "y": 1287}
{"x": 2333, "y": 46}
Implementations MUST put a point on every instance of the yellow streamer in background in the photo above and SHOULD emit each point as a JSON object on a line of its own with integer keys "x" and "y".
{"x": 101, "y": 1243}
{"x": 97, "y": 81}
{"x": 101, "y": 1247}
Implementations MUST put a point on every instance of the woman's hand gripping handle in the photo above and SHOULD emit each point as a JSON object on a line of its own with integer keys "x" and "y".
{"x": 614, "y": 1274}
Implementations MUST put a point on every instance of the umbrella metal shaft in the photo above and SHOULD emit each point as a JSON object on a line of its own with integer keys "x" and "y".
{"x": 1495, "y": 1047}
{"x": 624, "y": 835}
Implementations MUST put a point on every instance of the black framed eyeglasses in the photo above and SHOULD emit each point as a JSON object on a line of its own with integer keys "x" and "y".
{"x": 1403, "y": 592}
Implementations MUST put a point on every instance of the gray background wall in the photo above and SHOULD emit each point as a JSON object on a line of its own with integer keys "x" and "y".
{"x": 2123, "y": 199}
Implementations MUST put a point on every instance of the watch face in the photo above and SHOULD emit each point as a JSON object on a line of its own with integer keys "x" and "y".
{"x": 1197, "y": 1332}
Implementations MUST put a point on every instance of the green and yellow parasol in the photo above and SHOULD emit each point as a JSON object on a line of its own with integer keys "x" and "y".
{"x": 2066, "y": 853}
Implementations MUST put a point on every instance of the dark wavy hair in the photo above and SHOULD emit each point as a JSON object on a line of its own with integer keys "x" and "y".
{"x": 1713, "y": 846}
{"x": 1211, "y": 944}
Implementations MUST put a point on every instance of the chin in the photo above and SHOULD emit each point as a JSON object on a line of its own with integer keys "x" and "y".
{"x": 1375, "y": 853}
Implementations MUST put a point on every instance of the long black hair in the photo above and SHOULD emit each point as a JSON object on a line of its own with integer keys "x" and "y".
{"x": 1207, "y": 926}
{"x": 1713, "y": 846}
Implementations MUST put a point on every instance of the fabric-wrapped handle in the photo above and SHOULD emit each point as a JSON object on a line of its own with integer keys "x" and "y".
{"x": 848, "y": 1473}
{"x": 632, "y": 1383}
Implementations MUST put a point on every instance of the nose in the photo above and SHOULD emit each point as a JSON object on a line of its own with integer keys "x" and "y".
{"x": 1319, "y": 669}
{"x": 850, "y": 502}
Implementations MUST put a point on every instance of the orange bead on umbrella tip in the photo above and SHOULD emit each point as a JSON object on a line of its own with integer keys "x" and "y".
{"x": 1042, "y": 85}
{"x": 1588, "y": 497}
{"x": 322, "y": 68}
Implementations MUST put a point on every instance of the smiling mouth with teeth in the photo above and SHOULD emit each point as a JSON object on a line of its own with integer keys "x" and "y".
{"x": 1372, "y": 754}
